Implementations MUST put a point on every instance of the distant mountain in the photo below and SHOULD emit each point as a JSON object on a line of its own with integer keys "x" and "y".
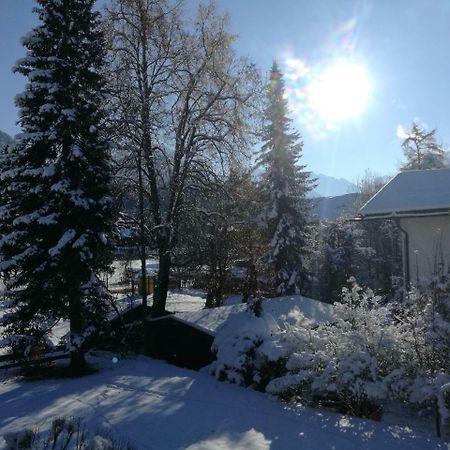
{"x": 329, "y": 186}
{"x": 5, "y": 139}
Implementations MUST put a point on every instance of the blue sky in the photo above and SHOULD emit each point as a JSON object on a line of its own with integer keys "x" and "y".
{"x": 403, "y": 45}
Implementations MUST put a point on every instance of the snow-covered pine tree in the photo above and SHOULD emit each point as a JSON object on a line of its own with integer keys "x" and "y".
{"x": 284, "y": 184}
{"x": 58, "y": 215}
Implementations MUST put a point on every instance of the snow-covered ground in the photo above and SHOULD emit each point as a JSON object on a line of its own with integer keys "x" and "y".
{"x": 185, "y": 300}
{"x": 179, "y": 301}
{"x": 158, "y": 406}
{"x": 120, "y": 266}
{"x": 182, "y": 300}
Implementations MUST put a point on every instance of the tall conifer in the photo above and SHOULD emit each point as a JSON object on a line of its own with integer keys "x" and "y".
{"x": 284, "y": 184}
{"x": 56, "y": 218}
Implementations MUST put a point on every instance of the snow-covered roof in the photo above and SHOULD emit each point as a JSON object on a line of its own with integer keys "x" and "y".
{"x": 409, "y": 192}
{"x": 209, "y": 320}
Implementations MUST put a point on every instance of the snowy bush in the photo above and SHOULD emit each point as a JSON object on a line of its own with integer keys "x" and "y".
{"x": 350, "y": 360}
{"x": 424, "y": 330}
{"x": 252, "y": 349}
{"x": 373, "y": 350}
{"x": 247, "y": 350}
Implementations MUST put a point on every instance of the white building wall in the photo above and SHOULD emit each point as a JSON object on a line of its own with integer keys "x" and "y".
{"x": 429, "y": 246}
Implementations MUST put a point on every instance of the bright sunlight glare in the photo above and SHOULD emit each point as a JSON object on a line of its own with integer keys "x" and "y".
{"x": 340, "y": 92}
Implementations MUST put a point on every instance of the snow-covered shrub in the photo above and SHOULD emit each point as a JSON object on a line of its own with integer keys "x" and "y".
{"x": 371, "y": 351}
{"x": 351, "y": 360}
{"x": 254, "y": 349}
{"x": 249, "y": 350}
{"x": 424, "y": 331}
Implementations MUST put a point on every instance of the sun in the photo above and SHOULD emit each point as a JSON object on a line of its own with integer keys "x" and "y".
{"x": 340, "y": 92}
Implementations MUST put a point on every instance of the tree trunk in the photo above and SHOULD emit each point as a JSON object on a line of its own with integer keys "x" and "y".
{"x": 212, "y": 291}
{"x": 162, "y": 283}
{"x": 142, "y": 235}
{"x": 77, "y": 361}
{"x": 250, "y": 283}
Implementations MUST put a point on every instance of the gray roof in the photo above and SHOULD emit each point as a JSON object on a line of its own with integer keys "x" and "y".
{"x": 332, "y": 208}
{"x": 409, "y": 192}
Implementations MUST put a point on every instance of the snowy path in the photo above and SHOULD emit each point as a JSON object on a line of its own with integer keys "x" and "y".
{"x": 158, "y": 406}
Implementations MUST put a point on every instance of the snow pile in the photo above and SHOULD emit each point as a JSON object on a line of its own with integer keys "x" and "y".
{"x": 211, "y": 319}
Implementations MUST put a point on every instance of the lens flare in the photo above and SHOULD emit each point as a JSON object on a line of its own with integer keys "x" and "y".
{"x": 341, "y": 92}
{"x": 333, "y": 88}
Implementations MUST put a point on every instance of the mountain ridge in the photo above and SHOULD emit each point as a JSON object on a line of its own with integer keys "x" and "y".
{"x": 328, "y": 186}
{"x": 5, "y": 139}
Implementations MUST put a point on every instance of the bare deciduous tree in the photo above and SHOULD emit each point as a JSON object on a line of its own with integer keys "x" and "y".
{"x": 185, "y": 103}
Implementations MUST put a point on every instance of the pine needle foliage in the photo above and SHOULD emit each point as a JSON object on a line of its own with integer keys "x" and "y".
{"x": 284, "y": 185}
{"x": 56, "y": 213}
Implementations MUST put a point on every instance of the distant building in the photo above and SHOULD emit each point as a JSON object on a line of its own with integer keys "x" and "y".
{"x": 332, "y": 208}
{"x": 419, "y": 202}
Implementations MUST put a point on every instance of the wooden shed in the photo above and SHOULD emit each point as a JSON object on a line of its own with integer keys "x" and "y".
{"x": 177, "y": 342}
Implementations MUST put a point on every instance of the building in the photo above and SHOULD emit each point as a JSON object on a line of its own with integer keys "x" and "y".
{"x": 419, "y": 202}
{"x": 332, "y": 208}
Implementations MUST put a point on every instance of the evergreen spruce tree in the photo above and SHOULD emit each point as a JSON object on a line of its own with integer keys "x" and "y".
{"x": 55, "y": 210}
{"x": 284, "y": 186}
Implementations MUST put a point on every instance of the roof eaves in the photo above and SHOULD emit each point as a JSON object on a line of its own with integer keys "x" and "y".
{"x": 405, "y": 214}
